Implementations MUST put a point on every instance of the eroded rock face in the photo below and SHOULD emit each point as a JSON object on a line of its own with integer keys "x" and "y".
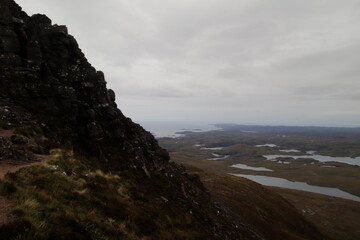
{"x": 42, "y": 68}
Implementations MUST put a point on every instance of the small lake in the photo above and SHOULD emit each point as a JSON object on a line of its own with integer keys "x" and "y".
{"x": 243, "y": 166}
{"x": 284, "y": 183}
{"x": 218, "y": 157}
{"x": 212, "y": 148}
{"x": 320, "y": 158}
{"x": 289, "y": 150}
{"x": 267, "y": 145}
{"x": 198, "y": 145}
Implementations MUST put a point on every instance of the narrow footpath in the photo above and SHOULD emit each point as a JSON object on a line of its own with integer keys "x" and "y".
{"x": 10, "y": 166}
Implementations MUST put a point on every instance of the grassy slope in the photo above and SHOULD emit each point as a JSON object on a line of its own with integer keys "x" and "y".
{"x": 66, "y": 199}
{"x": 336, "y": 217}
{"x": 273, "y": 216}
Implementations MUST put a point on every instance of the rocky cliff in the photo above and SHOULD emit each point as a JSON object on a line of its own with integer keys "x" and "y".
{"x": 43, "y": 69}
{"x": 102, "y": 176}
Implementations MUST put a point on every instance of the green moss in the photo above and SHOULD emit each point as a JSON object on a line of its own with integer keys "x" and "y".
{"x": 38, "y": 143}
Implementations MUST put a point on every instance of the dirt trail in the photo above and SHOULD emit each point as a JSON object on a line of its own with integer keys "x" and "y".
{"x": 13, "y": 166}
{"x": 10, "y": 166}
{"x": 6, "y": 133}
{"x": 7, "y": 166}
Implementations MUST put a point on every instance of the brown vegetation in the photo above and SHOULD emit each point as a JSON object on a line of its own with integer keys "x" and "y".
{"x": 334, "y": 217}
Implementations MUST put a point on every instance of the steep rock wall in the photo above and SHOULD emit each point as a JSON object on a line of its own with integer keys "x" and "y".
{"x": 43, "y": 69}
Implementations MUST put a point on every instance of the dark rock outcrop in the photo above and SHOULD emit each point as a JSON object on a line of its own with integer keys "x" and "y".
{"x": 43, "y": 69}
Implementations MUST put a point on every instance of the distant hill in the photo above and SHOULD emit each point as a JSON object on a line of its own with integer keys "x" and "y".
{"x": 289, "y": 129}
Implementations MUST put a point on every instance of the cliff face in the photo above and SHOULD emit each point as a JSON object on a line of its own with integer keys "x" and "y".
{"x": 105, "y": 177}
{"x": 43, "y": 69}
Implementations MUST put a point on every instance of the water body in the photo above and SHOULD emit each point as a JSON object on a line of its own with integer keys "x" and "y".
{"x": 172, "y": 129}
{"x": 281, "y": 162}
{"x": 212, "y": 148}
{"x": 198, "y": 145}
{"x": 243, "y": 166}
{"x": 320, "y": 158}
{"x": 284, "y": 183}
{"x": 218, "y": 157}
{"x": 289, "y": 150}
{"x": 267, "y": 145}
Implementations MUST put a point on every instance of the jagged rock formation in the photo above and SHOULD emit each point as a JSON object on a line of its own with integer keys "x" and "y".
{"x": 43, "y": 69}
{"x": 46, "y": 83}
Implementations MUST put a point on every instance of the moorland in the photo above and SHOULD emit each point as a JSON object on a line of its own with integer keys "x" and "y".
{"x": 214, "y": 155}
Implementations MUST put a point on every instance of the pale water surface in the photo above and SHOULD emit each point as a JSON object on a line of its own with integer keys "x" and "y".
{"x": 171, "y": 129}
{"x": 289, "y": 150}
{"x": 243, "y": 166}
{"x": 284, "y": 183}
{"x": 212, "y": 148}
{"x": 219, "y": 157}
{"x": 267, "y": 145}
{"x": 320, "y": 158}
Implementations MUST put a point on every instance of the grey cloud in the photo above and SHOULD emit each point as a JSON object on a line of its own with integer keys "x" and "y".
{"x": 166, "y": 92}
{"x": 236, "y": 61}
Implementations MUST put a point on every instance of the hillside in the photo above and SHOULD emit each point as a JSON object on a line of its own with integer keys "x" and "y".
{"x": 332, "y": 205}
{"x": 78, "y": 168}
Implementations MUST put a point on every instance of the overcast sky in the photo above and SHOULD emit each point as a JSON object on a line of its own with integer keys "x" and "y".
{"x": 242, "y": 61}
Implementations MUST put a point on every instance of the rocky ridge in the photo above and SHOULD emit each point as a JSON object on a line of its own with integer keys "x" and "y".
{"x": 43, "y": 69}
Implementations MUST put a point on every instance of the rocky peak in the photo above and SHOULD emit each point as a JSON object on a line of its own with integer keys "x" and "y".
{"x": 43, "y": 69}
